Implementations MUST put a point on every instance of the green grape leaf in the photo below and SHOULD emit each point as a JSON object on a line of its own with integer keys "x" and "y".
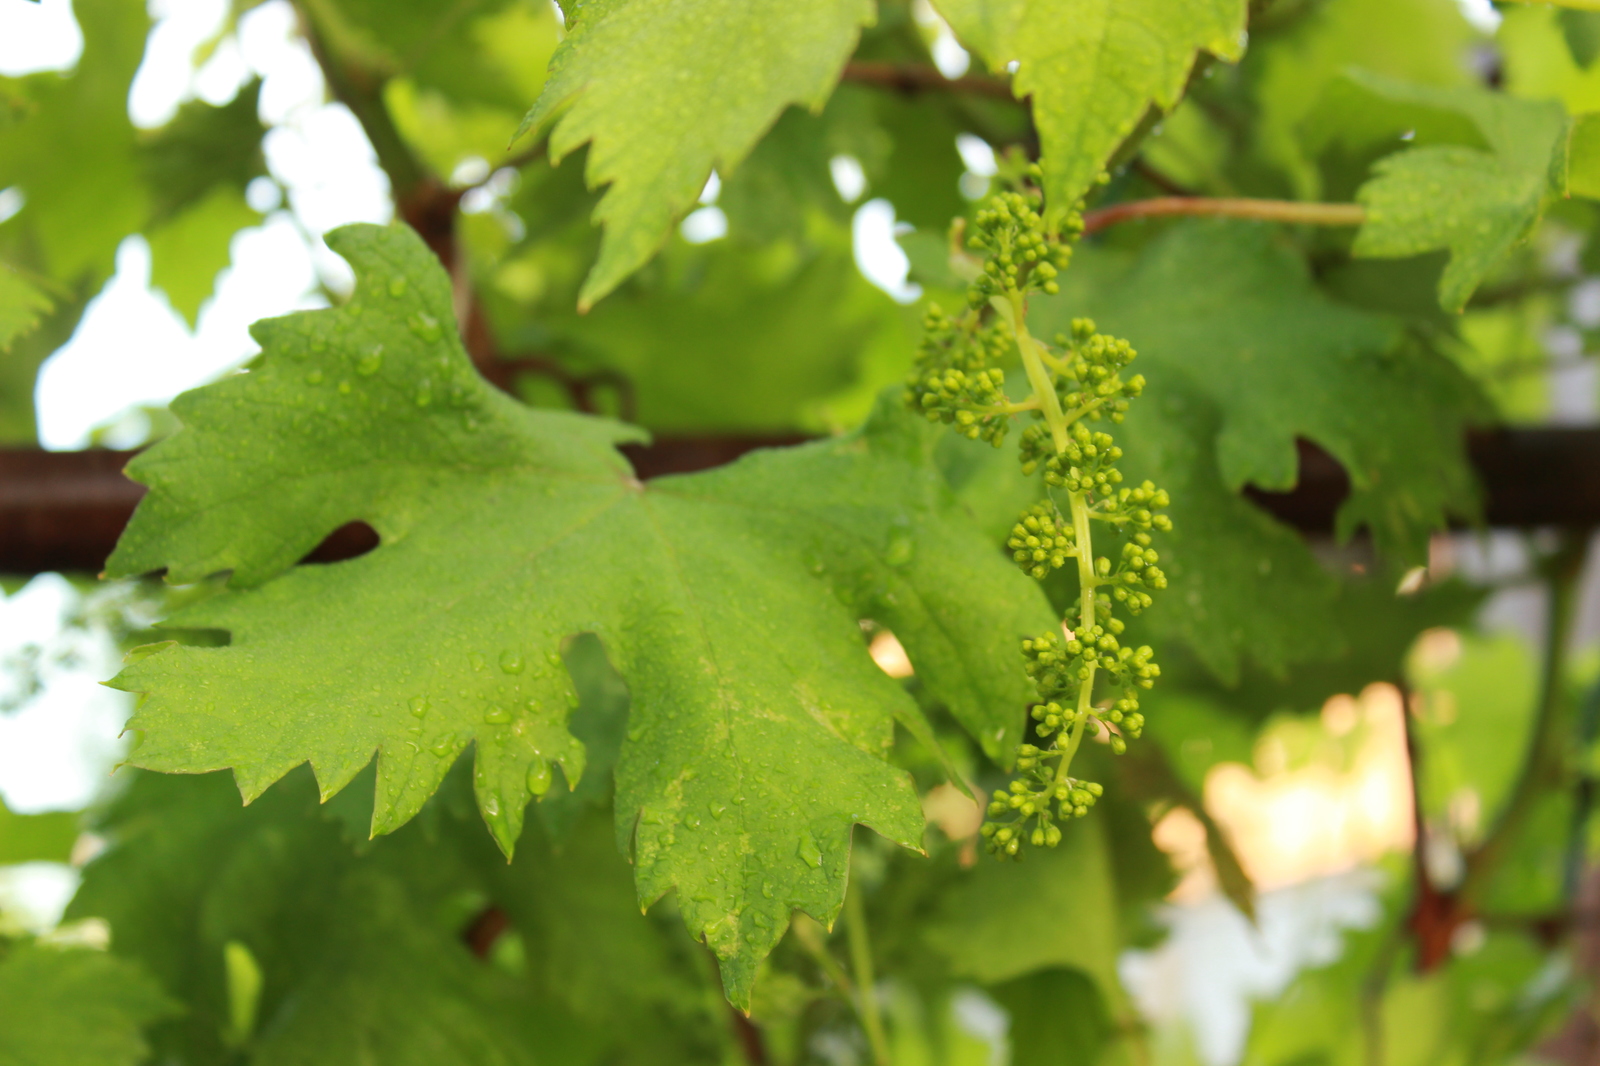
{"x": 664, "y": 92}
{"x": 73, "y": 151}
{"x": 1233, "y": 316}
{"x": 201, "y": 148}
{"x": 1243, "y": 356}
{"x": 358, "y": 949}
{"x": 484, "y": 52}
{"x": 1583, "y": 157}
{"x": 731, "y": 338}
{"x": 1002, "y": 920}
{"x": 188, "y": 251}
{"x": 1094, "y": 67}
{"x": 36, "y": 837}
{"x": 74, "y": 1007}
{"x": 1481, "y": 168}
{"x": 1420, "y": 41}
{"x": 728, "y": 600}
{"x": 1225, "y": 556}
{"x": 22, "y": 304}
{"x": 1079, "y": 1025}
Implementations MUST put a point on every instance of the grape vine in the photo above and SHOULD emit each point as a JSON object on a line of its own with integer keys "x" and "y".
{"x": 1075, "y": 381}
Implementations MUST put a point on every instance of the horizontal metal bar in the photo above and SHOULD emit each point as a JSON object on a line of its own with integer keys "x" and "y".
{"x": 64, "y": 510}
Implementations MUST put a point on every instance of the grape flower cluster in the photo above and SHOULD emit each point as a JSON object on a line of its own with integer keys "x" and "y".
{"x": 1086, "y": 679}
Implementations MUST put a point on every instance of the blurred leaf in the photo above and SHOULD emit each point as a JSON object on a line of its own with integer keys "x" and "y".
{"x": 73, "y": 154}
{"x": 1539, "y": 58}
{"x": 203, "y": 151}
{"x": 1475, "y": 179}
{"x": 783, "y": 182}
{"x": 1418, "y": 40}
{"x": 1581, "y": 29}
{"x": 483, "y": 52}
{"x": 733, "y": 338}
{"x": 187, "y": 252}
{"x": 1001, "y": 920}
{"x": 74, "y": 1007}
{"x": 667, "y": 92}
{"x": 1058, "y": 1018}
{"x": 1094, "y": 67}
{"x": 359, "y": 955}
{"x": 1583, "y": 160}
{"x": 1479, "y": 695}
{"x": 19, "y": 366}
{"x": 22, "y": 304}
{"x": 36, "y": 837}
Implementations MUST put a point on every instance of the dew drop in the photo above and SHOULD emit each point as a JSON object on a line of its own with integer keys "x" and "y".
{"x": 419, "y": 706}
{"x": 370, "y": 362}
{"x": 497, "y": 716}
{"x": 809, "y": 853}
{"x": 477, "y": 661}
{"x": 425, "y": 326}
{"x": 491, "y": 805}
{"x": 900, "y": 550}
{"x": 539, "y": 778}
{"x": 511, "y": 662}
{"x": 444, "y": 745}
{"x": 397, "y": 286}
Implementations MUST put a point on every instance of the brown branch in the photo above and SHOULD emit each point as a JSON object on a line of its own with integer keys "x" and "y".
{"x": 917, "y": 77}
{"x": 361, "y": 90}
{"x": 1226, "y": 207}
{"x": 1435, "y": 915}
{"x": 485, "y": 929}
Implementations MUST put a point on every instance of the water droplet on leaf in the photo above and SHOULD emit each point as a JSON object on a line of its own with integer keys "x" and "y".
{"x": 539, "y": 778}
{"x": 425, "y": 326}
{"x": 808, "y": 851}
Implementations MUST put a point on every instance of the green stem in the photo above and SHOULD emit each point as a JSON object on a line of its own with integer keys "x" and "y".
{"x": 812, "y": 937}
{"x": 1010, "y": 408}
{"x": 1227, "y": 207}
{"x": 1087, "y": 582}
{"x": 1044, "y": 389}
{"x": 1545, "y": 765}
{"x": 855, "y": 920}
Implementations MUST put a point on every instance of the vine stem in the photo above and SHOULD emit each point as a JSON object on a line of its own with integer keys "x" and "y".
{"x": 1087, "y": 582}
{"x": 1015, "y": 311}
{"x": 1314, "y": 214}
{"x": 855, "y": 920}
{"x": 1545, "y": 762}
